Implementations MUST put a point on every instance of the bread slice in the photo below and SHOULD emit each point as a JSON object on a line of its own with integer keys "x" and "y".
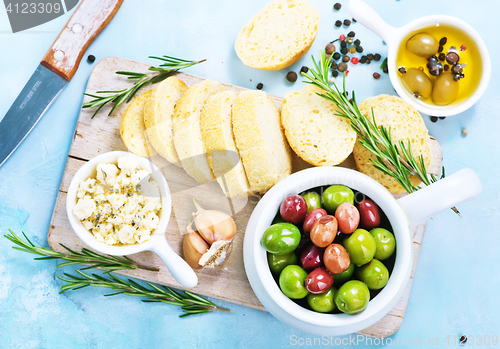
{"x": 158, "y": 110}
{"x": 279, "y": 35}
{"x": 187, "y": 132}
{"x": 260, "y": 140}
{"x": 312, "y": 129}
{"x": 217, "y": 134}
{"x": 406, "y": 124}
{"x": 132, "y": 128}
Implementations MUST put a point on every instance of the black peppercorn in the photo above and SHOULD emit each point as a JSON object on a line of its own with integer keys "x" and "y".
{"x": 359, "y": 49}
{"x": 443, "y": 41}
{"x": 351, "y": 101}
{"x": 369, "y": 56}
{"x": 376, "y": 57}
{"x": 343, "y": 50}
{"x": 345, "y": 59}
{"x": 440, "y": 48}
{"x": 351, "y": 34}
{"x": 452, "y": 57}
{"x": 463, "y": 339}
{"x": 336, "y": 56}
{"x": 357, "y": 42}
{"x": 456, "y": 77}
{"x": 446, "y": 67}
{"x": 347, "y": 22}
{"x": 402, "y": 70}
{"x": 291, "y": 76}
{"x": 442, "y": 117}
{"x": 442, "y": 57}
{"x": 334, "y": 65}
{"x": 337, "y": 6}
{"x": 342, "y": 67}
{"x": 362, "y": 59}
{"x": 434, "y": 118}
{"x": 330, "y": 48}
{"x": 335, "y": 73}
{"x": 260, "y": 85}
{"x": 368, "y": 61}
{"x": 354, "y": 21}
{"x": 91, "y": 58}
{"x": 338, "y": 23}
{"x": 304, "y": 69}
{"x": 343, "y": 44}
{"x": 385, "y": 69}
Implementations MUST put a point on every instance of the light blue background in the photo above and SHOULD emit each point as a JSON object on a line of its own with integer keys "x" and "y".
{"x": 456, "y": 285}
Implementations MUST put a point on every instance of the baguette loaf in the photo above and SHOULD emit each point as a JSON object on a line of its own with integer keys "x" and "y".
{"x": 217, "y": 134}
{"x": 260, "y": 140}
{"x": 312, "y": 129}
{"x": 132, "y": 128}
{"x": 158, "y": 110}
{"x": 406, "y": 124}
{"x": 187, "y": 132}
{"x": 279, "y": 35}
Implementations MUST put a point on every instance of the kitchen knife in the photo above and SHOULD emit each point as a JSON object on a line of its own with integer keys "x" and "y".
{"x": 54, "y": 71}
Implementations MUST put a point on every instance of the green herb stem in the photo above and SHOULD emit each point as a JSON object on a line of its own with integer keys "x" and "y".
{"x": 154, "y": 75}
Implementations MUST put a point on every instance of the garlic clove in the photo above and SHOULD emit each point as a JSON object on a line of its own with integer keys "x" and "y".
{"x": 194, "y": 248}
{"x": 216, "y": 254}
{"x": 214, "y": 226}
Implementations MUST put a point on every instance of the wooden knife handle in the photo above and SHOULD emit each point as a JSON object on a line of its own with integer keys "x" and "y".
{"x": 86, "y": 23}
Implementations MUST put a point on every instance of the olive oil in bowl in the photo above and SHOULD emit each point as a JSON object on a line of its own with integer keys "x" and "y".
{"x": 456, "y": 64}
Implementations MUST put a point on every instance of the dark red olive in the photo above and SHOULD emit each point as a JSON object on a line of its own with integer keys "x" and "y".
{"x": 311, "y": 257}
{"x": 369, "y": 214}
{"x": 311, "y": 218}
{"x": 319, "y": 280}
{"x": 293, "y": 209}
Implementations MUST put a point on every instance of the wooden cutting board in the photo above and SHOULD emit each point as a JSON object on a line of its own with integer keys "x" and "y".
{"x": 228, "y": 282}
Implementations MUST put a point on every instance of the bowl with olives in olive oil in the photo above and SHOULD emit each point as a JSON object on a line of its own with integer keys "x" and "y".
{"x": 439, "y": 64}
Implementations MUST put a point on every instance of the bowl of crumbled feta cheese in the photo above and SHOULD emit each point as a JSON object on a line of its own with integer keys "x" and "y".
{"x": 119, "y": 203}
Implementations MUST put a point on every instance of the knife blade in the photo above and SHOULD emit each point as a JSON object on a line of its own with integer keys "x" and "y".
{"x": 56, "y": 69}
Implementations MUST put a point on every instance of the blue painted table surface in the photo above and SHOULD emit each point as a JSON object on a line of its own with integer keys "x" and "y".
{"x": 457, "y": 283}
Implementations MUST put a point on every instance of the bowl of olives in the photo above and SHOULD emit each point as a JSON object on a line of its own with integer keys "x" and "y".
{"x": 328, "y": 250}
{"x": 439, "y": 64}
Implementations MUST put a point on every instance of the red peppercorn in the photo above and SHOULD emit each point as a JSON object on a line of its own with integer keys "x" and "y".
{"x": 376, "y": 75}
{"x": 463, "y": 48}
{"x": 354, "y": 60}
{"x": 346, "y": 72}
{"x": 342, "y": 37}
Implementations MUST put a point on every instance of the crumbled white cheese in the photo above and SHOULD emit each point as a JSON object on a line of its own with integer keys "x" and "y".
{"x": 121, "y": 205}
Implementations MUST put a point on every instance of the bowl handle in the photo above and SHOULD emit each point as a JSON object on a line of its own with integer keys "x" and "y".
{"x": 461, "y": 186}
{"x": 367, "y": 16}
{"x": 177, "y": 266}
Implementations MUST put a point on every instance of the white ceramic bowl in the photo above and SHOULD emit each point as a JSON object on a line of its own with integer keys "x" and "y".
{"x": 393, "y": 37}
{"x": 157, "y": 243}
{"x": 402, "y": 214}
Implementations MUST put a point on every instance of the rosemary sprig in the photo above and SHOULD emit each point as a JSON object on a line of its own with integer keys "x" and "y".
{"x": 156, "y": 74}
{"x": 191, "y": 303}
{"x": 394, "y": 159}
{"x": 86, "y": 256}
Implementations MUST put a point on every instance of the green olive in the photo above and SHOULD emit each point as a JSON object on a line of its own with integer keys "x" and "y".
{"x": 423, "y": 45}
{"x": 445, "y": 89}
{"x": 417, "y": 81}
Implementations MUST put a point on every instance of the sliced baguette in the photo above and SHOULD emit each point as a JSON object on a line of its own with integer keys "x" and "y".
{"x": 260, "y": 140}
{"x": 405, "y": 124}
{"x": 217, "y": 134}
{"x": 132, "y": 128}
{"x": 187, "y": 132}
{"x": 312, "y": 129}
{"x": 279, "y": 35}
{"x": 158, "y": 111}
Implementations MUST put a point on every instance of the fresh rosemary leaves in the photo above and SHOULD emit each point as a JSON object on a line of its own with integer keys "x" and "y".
{"x": 156, "y": 74}
{"x": 395, "y": 160}
{"x": 191, "y": 303}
